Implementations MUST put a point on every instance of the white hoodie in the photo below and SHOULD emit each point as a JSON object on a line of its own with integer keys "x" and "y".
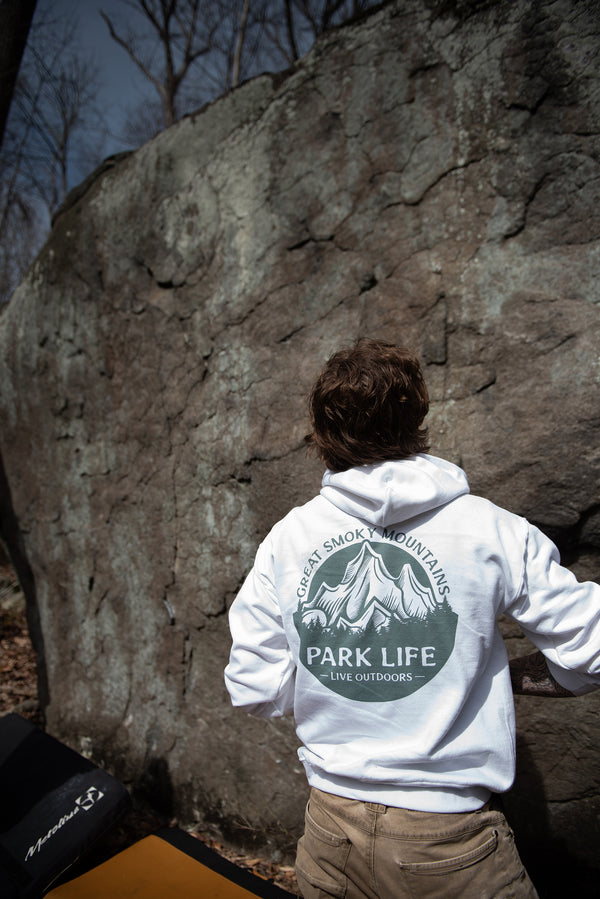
{"x": 370, "y": 613}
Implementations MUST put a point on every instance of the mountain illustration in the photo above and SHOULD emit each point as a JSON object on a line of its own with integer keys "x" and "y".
{"x": 369, "y": 594}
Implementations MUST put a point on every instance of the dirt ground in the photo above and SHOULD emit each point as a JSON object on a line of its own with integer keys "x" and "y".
{"x": 18, "y": 688}
{"x": 18, "y": 693}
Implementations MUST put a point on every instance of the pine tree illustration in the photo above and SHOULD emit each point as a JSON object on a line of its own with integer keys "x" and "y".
{"x": 368, "y": 595}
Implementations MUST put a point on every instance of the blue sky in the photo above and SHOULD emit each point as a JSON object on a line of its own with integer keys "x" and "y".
{"x": 122, "y": 85}
{"x": 116, "y": 66}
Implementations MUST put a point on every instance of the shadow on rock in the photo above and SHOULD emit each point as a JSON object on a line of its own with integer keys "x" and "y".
{"x": 555, "y": 871}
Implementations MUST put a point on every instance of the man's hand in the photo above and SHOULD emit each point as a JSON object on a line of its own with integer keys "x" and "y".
{"x": 530, "y": 677}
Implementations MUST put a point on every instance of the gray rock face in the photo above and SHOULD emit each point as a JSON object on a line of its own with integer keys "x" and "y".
{"x": 430, "y": 176}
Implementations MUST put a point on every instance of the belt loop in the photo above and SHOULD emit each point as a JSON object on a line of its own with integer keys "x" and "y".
{"x": 376, "y": 807}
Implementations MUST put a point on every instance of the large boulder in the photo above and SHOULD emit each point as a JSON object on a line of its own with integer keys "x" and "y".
{"x": 429, "y": 175}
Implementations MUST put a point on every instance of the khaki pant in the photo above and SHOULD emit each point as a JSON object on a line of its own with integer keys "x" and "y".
{"x": 363, "y": 850}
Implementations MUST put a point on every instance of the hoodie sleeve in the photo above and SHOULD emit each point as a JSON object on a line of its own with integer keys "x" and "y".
{"x": 260, "y": 676}
{"x": 560, "y": 615}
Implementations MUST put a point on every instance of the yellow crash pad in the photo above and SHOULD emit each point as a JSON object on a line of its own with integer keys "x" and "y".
{"x": 155, "y": 868}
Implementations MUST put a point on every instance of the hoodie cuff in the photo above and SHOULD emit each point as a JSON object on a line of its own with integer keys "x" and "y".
{"x": 572, "y": 680}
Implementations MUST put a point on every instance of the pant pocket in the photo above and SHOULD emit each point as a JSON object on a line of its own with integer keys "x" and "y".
{"x": 321, "y": 858}
{"x": 453, "y": 862}
{"x": 477, "y": 865}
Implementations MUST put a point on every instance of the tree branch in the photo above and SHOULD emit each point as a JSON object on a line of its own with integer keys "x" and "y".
{"x": 289, "y": 21}
{"x": 123, "y": 43}
{"x": 237, "y": 56}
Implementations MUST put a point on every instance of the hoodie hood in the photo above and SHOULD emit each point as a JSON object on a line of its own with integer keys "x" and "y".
{"x": 392, "y": 492}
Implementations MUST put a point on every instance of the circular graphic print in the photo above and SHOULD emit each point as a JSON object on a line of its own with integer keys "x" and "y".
{"x": 371, "y": 627}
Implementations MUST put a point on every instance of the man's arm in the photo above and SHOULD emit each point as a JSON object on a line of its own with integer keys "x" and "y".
{"x": 261, "y": 673}
{"x": 530, "y": 676}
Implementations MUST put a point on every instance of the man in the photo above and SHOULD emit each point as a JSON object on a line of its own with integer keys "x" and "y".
{"x": 370, "y": 614}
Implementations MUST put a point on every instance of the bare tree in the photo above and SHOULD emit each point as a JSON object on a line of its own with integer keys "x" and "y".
{"x": 142, "y": 123}
{"x": 54, "y": 137}
{"x": 236, "y": 51}
{"x": 15, "y": 21}
{"x": 55, "y": 114}
{"x": 181, "y": 31}
{"x": 239, "y": 44}
{"x": 193, "y": 52}
{"x": 321, "y": 16}
{"x": 292, "y": 26}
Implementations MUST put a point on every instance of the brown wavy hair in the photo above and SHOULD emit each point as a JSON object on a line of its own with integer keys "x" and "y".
{"x": 368, "y": 405}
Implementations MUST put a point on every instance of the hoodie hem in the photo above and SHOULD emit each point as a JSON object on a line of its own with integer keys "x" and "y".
{"x": 441, "y": 800}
